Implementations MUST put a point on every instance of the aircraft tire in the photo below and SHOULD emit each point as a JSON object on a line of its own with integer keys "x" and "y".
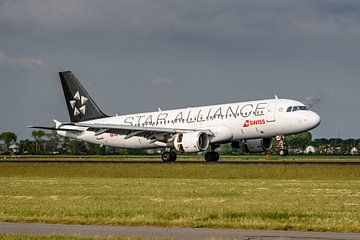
{"x": 173, "y": 156}
{"x": 166, "y": 156}
{"x": 212, "y": 156}
{"x": 283, "y": 152}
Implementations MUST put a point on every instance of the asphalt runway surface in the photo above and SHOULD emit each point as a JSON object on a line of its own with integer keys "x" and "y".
{"x": 37, "y": 229}
{"x": 269, "y": 162}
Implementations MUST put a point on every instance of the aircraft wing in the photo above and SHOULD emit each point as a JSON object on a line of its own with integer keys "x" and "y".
{"x": 131, "y": 131}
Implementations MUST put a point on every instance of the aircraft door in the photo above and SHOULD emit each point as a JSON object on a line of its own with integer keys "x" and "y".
{"x": 270, "y": 114}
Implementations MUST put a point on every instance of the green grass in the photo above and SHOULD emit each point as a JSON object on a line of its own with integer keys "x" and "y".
{"x": 296, "y": 197}
{"x": 182, "y": 171}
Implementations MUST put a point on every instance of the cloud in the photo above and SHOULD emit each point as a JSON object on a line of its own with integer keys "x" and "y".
{"x": 44, "y": 16}
{"x": 162, "y": 81}
{"x": 312, "y": 101}
{"x": 24, "y": 63}
{"x": 185, "y": 20}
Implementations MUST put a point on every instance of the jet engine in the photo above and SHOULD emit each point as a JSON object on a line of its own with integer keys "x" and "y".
{"x": 191, "y": 142}
{"x": 254, "y": 145}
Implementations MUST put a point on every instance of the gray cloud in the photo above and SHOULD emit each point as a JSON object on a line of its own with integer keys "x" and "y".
{"x": 23, "y": 63}
{"x": 49, "y": 15}
{"x": 181, "y": 19}
{"x": 314, "y": 100}
{"x": 162, "y": 81}
{"x": 223, "y": 51}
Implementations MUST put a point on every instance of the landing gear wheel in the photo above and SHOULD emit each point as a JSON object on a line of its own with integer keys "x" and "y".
{"x": 173, "y": 156}
{"x": 168, "y": 156}
{"x": 283, "y": 152}
{"x": 212, "y": 156}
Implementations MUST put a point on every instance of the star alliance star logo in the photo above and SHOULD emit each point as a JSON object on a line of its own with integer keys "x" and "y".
{"x": 82, "y": 100}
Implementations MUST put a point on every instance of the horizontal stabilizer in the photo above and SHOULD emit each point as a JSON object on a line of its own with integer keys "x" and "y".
{"x": 56, "y": 129}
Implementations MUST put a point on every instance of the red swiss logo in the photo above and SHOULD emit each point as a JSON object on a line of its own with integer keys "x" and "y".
{"x": 249, "y": 123}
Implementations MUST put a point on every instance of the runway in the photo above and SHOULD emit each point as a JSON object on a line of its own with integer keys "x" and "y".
{"x": 37, "y": 229}
{"x": 225, "y": 162}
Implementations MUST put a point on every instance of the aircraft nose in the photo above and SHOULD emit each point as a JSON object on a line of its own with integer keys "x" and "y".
{"x": 314, "y": 119}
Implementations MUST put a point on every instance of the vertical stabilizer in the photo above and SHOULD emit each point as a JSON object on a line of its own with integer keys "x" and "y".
{"x": 80, "y": 105}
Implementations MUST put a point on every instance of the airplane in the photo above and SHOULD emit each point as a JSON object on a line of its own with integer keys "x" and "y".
{"x": 247, "y": 125}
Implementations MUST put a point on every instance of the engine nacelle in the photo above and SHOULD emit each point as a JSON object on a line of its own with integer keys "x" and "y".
{"x": 254, "y": 145}
{"x": 191, "y": 142}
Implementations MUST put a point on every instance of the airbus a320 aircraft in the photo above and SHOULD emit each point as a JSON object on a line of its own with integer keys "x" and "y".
{"x": 247, "y": 125}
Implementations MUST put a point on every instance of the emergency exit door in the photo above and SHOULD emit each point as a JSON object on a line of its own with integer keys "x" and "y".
{"x": 271, "y": 109}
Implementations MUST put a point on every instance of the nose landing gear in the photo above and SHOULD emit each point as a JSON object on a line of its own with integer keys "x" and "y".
{"x": 283, "y": 151}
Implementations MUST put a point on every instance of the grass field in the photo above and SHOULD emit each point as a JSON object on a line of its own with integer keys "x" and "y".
{"x": 296, "y": 197}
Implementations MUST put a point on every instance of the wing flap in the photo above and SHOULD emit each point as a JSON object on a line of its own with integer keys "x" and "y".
{"x": 130, "y": 131}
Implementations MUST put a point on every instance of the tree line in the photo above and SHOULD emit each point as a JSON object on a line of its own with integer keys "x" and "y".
{"x": 52, "y": 143}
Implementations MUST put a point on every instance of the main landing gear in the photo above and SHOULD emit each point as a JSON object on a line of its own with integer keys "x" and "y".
{"x": 168, "y": 156}
{"x": 212, "y": 156}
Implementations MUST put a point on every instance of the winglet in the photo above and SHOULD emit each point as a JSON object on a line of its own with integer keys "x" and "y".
{"x": 276, "y": 97}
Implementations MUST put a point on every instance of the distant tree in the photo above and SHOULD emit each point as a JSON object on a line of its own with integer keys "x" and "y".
{"x": 321, "y": 141}
{"x": 335, "y": 141}
{"x": 225, "y": 149}
{"x": 27, "y": 146}
{"x": 94, "y": 149}
{"x": 8, "y": 138}
{"x": 54, "y": 138}
{"x": 301, "y": 140}
{"x": 38, "y": 136}
{"x": 76, "y": 147}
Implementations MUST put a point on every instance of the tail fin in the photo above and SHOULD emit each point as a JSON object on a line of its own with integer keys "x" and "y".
{"x": 80, "y": 105}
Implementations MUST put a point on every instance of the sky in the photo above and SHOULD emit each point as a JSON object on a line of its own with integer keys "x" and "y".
{"x": 138, "y": 55}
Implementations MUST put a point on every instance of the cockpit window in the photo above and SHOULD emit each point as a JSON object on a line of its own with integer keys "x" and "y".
{"x": 296, "y": 108}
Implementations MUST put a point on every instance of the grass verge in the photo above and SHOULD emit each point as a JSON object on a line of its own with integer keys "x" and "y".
{"x": 296, "y": 197}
